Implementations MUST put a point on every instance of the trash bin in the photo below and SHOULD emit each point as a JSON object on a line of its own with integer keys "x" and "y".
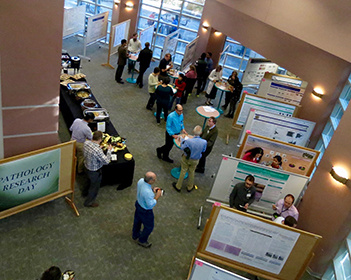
{"x": 75, "y": 63}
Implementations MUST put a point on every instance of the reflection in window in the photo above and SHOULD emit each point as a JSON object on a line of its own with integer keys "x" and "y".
{"x": 168, "y": 16}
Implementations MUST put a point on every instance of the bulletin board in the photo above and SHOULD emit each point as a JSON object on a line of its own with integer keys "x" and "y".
{"x": 286, "y": 129}
{"x": 34, "y": 178}
{"x": 250, "y": 101}
{"x": 256, "y": 245}
{"x": 73, "y": 20}
{"x": 296, "y": 159}
{"x": 272, "y": 184}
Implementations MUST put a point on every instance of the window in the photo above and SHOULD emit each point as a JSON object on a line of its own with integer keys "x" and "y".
{"x": 168, "y": 16}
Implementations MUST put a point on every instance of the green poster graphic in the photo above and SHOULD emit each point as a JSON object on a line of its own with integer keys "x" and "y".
{"x": 29, "y": 178}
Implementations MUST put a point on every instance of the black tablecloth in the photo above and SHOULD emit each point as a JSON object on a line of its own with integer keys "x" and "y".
{"x": 117, "y": 172}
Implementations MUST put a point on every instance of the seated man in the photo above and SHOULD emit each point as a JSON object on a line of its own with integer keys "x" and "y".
{"x": 284, "y": 207}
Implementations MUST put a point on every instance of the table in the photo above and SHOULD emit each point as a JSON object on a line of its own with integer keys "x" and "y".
{"x": 206, "y": 112}
{"x": 223, "y": 87}
{"x": 174, "y": 74}
{"x": 133, "y": 58}
{"x": 175, "y": 172}
{"x": 117, "y": 172}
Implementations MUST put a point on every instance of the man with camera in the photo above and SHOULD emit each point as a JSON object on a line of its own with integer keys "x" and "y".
{"x": 147, "y": 197}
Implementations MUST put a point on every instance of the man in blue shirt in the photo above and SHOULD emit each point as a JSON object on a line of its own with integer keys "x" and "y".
{"x": 193, "y": 149}
{"x": 146, "y": 200}
{"x": 174, "y": 127}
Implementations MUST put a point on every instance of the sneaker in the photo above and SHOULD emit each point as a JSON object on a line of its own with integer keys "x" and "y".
{"x": 145, "y": 244}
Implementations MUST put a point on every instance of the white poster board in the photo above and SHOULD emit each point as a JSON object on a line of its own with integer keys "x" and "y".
{"x": 274, "y": 184}
{"x": 255, "y": 70}
{"x": 282, "y": 88}
{"x": 202, "y": 270}
{"x": 189, "y": 54}
{"x": 146, "y": 35}
{"x": 73, "y": 20}
{"x": 250, "y": 101}
{"x": 170, "y": 43}
{"x": 97, "y": 27}
{"x": 250, "y": 241}
{"x": 119, "y": 32}
{"x": 287, "y": 129}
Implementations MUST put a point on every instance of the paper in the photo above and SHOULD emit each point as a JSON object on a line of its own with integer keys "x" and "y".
{"x": 209, "y": 109}
{"x": 101, "y": 126}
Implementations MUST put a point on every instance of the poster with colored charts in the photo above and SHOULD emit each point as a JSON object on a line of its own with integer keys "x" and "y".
{"x": 295, "y": 159}
{"x": 251, "y": 242}
{"x": 256, "y": 69}
{"x": 29, "y": 178}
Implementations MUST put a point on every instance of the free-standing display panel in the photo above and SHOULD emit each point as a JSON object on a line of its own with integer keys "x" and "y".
{"x": 256, "y": 245}
{"x": 33, "y": 178}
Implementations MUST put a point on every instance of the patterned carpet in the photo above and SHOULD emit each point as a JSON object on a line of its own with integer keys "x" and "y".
{"x": 98, "y": 244}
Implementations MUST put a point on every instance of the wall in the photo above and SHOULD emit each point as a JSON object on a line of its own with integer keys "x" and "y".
{"x": 121, "y": 14}
{"x": 32, "y": 38}
{"x": 293, "y": 34}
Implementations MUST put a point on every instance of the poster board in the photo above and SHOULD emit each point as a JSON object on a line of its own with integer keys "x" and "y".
{"x": 296, "y": 159}
{"x": 255, "y": 245}
{"x": 255, "y": 70}
{"x": 286, "y": 129}
{"x": 282, "y": 88}
{"x": 146, "y": 35}
{"x": 274, "y": 184}
{"x": 119, "y": 32}
{"x": 189, "y": 54}
{"x": 73, "y": 20}
{"x": 97, "y": 27}
{"x": 33, "y": 178}
{"x": 169, "y": 46}
{"x": 202, "y": 270}
{"x": 250, "y": 101}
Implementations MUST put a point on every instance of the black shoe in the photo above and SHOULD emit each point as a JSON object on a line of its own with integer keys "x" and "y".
{"x": 141, "y": 86}
{"x": 224, "y": 107}
{"x": 145, "y": 244}
{"x": 168, "y": 160}
{"x": 120, "y": 82}
{"x": 159, "y": 153}
{"x": 229, "y": 116}
{"x": 148, "y": 108}
{"x": 191, "y": 189}
{"x": 199, "y": 170}
{"x": 174, "y": 184}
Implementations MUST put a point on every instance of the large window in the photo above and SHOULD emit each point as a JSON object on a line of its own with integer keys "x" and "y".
{"x": 167, "y": 16}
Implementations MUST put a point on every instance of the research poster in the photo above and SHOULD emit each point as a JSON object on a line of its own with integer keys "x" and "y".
{"x": 120, "y": 33}
{"x": 29, "y": 178}
{"x": 251, "y": 242}
{"x": 255, "y": 70}
{"x": 146, "y": 35}
{"x": 189, "y": 54}
{"x": 286, "y": 129}
{"x": 170, "y": 44}
{"x": 97, "y": 27}
{"x": 295, "y": 159}
{"x": 254, "y": 102}
{"x": 73, "y": 20}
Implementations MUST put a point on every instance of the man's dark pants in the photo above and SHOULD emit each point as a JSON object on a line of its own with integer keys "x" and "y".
{"x": 94, "y": 185}
{"x": 167, "y": 147}
{"x": 145, "y": 217}
{"x": 119, "y": 72}
{"x": 139, "y": 80}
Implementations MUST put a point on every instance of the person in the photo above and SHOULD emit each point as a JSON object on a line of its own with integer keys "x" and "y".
{"x": 210, "y": 134}
{"x": 234, "y": 94}
{"x": 94, "y": 160}
{"x": 144, "y": 60}
{"x": 174, "y": 127}
{"x": 201, "y": 73}
{"x": 147, "y": 198}
{"x": 81, "y": 132}
{"x": 243, "y": 194}
{"x": 152, "y": 83}
{"x": 151, "y": 21}
{"x": 209, "y": 64}
{"x": 122, "y": 61}
{"x": 288, "y": 221}
{"x": 193, "y": 149}
{"x": 180, "y": 85}
{"x": 53, "y": 273}
{"x": 163, "y": 95}
{"x": 165, "y": 65}
{"x": 190, "y": 82}
{"x": 253, "y": 155}
{"x": 211, "y": 91}
{"x": 284, "y": 207}
{"x": 175, "y": 22}
{"x": 134, "y": 46}
{"x": 277, "y": 162}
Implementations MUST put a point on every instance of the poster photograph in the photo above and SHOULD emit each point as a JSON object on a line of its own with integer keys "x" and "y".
{"x": 29, "y": 178}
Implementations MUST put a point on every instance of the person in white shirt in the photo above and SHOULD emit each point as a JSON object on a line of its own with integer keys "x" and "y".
{"x": 211, "y": 91}
{"x": 152, "y": 83}
{"x": 134, "y": 47}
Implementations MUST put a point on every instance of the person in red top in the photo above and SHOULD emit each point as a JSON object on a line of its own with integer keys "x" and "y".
{"x": 253, "y": 155}
{"x": 191, "y": 77}
{"x": 180, "y": 86}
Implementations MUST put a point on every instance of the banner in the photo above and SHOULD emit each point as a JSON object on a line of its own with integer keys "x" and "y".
{"x": 29, "y": 178}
